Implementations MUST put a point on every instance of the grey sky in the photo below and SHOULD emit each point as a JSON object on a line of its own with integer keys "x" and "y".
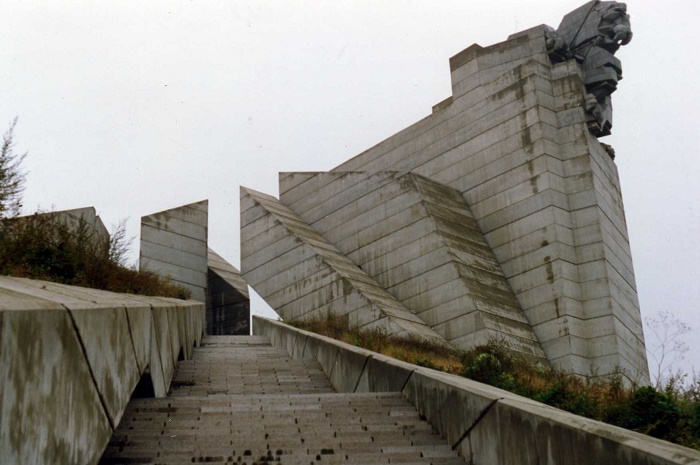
{"x": 136, "y": 107}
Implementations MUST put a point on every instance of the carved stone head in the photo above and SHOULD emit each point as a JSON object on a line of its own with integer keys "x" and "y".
{"x": 614, "y": 27}
{"x": 591, "y": 35}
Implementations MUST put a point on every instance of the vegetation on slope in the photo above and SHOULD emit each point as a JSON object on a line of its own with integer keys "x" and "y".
{"x": 43, "y": 246}
{"x": 671, "y": 412}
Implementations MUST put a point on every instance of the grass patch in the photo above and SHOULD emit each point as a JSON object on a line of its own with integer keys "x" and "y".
{"x": 43, "y": 246}
{"x": 671, "y": 412}
{"x": 413, "y": 350}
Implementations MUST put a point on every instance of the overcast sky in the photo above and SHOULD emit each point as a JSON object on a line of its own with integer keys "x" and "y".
{"x": 135, "y": 107}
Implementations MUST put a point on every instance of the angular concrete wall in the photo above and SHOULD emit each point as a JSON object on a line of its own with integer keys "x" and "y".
{"x": 228, "y": 302}
{"x": 302, "y": 276}
{"x": 70, "y": 359}
{"x": 174, "y": 246}
{"x": 513, "y": 140}
{"x": 419, "y": 240}
{"x": 486, "y": 425}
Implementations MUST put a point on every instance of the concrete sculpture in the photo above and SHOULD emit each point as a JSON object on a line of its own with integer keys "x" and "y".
{"x": 174, "y": 245}
{"x": 228, "y": 302}
{"x": 591, "y": 35}
{"x": 499, "y": 215}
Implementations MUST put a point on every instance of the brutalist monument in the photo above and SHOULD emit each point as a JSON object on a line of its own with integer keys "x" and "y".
{"x": 500, "y": 215}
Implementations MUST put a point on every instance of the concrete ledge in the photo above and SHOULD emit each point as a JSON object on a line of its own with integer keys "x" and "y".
{"x": 487, "y": 425}
{"x": 70, "y": 359}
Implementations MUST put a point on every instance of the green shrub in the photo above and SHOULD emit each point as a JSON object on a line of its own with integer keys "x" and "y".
{"x": 648, "y": 411}
{"x": 43, "y": 246}
{"x": 486, "y": 368}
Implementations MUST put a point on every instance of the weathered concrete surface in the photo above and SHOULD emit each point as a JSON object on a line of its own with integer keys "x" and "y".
{"x": 174, "y": 246}
{"x": 513, "y": 139}
{"x": 486, "y": 425}
{"x": 420, "y": 241}
{"x": 228, "y": 302}
{"x": 240, "y": 400}
{"x": 70, "y": 359}
{"x": 300, "y": 275}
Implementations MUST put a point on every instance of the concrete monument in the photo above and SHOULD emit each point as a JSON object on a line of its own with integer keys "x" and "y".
{"x": 498, "y": 215}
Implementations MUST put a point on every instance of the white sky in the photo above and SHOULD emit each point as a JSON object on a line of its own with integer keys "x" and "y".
{"x": 135, "y": 107}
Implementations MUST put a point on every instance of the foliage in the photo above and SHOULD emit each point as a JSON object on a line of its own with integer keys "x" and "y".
{"x": 412, "y": 349}
{"x": 670, "y": 411}
{"x": 11, "y": 176}
{"x": 45, "y": 246}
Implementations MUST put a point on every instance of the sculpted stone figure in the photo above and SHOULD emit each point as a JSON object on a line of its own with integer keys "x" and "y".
{"x": 591, "y": 35}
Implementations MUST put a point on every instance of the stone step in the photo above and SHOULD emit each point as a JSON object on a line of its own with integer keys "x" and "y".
{"x": 241, "y": 401}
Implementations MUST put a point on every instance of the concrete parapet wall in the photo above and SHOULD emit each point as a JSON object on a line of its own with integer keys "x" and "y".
{"x": 486, "y": 425}
{"x": 70, "y": 359}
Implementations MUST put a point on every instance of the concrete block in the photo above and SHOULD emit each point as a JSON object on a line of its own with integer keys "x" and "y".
{"x": 544, "y": 254}
{"x": 503, "y": 173}
{"x": 228, "y": 303}
{"x": 187, "y": 228}
{"x": 348, "y": 368}
{"x": 289, "y": 252}
{"x": 544, "y": 274}
{"x": 534, "y": 241}
{"x": 326, "y": 355}
{"x": 559, "y": 287}
{"x": 192, "y": 279}
{"x": 150, "y": 235}
{"x": 385, "y": 374}
{"x": 451, "y": 404}
{"x": 290, "y": 180}
{"x": 174, "y": 246}
{"x": 299, "y": 346}
{"x": 106, "y": 337}
{"x": 164, "y": 342}
{"x": 338, "y": 193}
{"x": 311, "y": 348}
{"x": 50, "y": 409}
{"x": 184, "y": 259}
{"x": 302, "y": 297}
{"x": 529, "y": 224}
{"x": 159, "y": 377}
{"x": 514, "y": 212}
{"x": 141, "y": 328}
{"x": 543, "y": 433}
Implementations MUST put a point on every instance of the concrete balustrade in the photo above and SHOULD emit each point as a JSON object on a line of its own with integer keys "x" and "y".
{"x": 485, "y": 424}
{"x": 71, "y": 358}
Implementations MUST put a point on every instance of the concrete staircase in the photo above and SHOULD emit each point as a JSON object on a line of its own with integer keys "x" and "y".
{"x": 240, "y": 400}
